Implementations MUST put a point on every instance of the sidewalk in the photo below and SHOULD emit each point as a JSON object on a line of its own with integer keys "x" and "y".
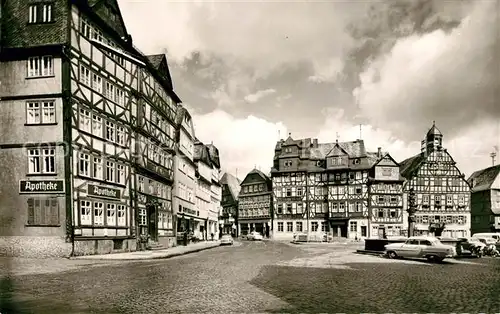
{"x": 158, "y": 254}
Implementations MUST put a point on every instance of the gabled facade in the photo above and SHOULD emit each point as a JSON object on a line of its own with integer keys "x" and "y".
{"x": 89, "y": 166}
{"x": 385, "y": 197}
{"x": 215, "y": 187}
{"x": 228, "y": 218}
{"x": 442, "y": 193}
{"x": 485, "y": 200}
{"x": 203, "y": 191}
{"x": 255, "y": 204}
{"x": 187, "y": 216}
{"x": 320, "y": 188}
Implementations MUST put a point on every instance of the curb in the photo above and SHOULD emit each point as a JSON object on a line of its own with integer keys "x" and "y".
{"x": 143, "y": 258}
{"x": 374, "y": 253}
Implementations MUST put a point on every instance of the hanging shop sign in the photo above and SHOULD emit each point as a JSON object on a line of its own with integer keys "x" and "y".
{"x": 105, "y": 192}
{"x": 41, "y": 186}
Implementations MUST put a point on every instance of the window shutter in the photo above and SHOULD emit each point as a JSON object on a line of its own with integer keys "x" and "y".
{"x": 31, "y": 212}
{"x": 54, "y": 211}
{"x": 38, "y": 211}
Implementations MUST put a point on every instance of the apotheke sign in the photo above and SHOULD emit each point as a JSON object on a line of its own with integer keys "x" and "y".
{"x": 41, "y": 186}
{"x": 101, "y": 191}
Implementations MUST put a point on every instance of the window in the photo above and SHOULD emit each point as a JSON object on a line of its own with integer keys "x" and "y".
{"x": 97, "y": 168}
{"x": 288, "y": 192}
{"x": 85, "y": 213}
{"x": 120, "y": 174}
{"x": 120, "y": 96}
{"x": 393, "y": 213}
{"x": 40, "y": 112}
{"x": 110, "y": 90}
{"x": 353, "y": 226}
{"x": 288, "y": 163}
{"x": 98, "y": 213}
{"x": 425, "y": 242}
{"x": 288, "y": 208}
{"x": 40, "y": 66}
{"x": 299, "y": 191}
{"x": 314, "y": 226}
{"x": 356, "y": 161}
{"x": 84, "y": 165}
{"x": 298, "y": 226}
{"x": 121, "y": 215}
{"x": 84, "y": 75}
{"x": 43, "y": 212}
{"x": 142, "y": 217}
{"x": 40, "y": 13}
{"x": 97, "y": 125}
{"x": 280, "y": 208}
{"x": 110, "y": 171}
{"x": 280, "y": 227}
{"x": 97, "y": 83}
{"x": 141, "y": 184}
{"x": 437, "y": 200}
{"x": 111, "y": 214}
{"x": 84, "y": 120}
{"x": 449, "y": 201}
{"x": 358, "y": 207}
{"x": 289, "y": 226}
{"x": 120, "y": 135}
{"x": 359, "y": 190}
{"x": 41, "y": 161}
{"x": 110, "y": 131}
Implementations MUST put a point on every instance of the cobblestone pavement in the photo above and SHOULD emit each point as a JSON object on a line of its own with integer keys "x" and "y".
{"x": 259, "y": 277}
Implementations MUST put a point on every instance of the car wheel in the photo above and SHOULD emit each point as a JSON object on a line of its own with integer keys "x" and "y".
{"x": 392, "y": 255}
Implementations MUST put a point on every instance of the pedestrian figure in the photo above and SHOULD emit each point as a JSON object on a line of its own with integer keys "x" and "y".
{"x": 212, "y": 236}
{"x": 185, "y": 238}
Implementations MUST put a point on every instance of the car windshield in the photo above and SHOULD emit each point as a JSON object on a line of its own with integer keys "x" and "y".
{"x": 226, "y": 236}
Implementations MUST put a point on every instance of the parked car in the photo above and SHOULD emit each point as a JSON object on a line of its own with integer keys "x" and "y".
{"x": 485, "y": 240}
{"x": 226, "y": 239}
{"x": 494, "y": 235}
{"x": 254, "y": 236}
{"x": 421, "y": 247}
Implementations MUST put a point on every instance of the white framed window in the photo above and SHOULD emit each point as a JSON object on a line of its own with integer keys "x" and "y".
{"x": 353, "y": 226}
{"x": 120, "y": 96}
{"x": 280, "y": 227}
{"x": 111, "y": 214}
{"x": 110, "y": 171}
{"x": 314, "y": 226}
{"x": 47, "y": 13}
{"x": 97, "y": 125}
{"x": 33, "y": 113}
{"x": 120, "y": 174}
{"x": 142, "y": 217}
{"x": 289, "y": 226}
{"x": 110, "y": 90}
{"x": 40, "y": 66}
{"x": 97, "y": 168}
{"x": 98, "y": 214}
{"x": 97, "y": 83}
{"x": 49, "y": 160}
{"x": 84, "y": 120}
{"x": 84, "y": 165}
{"x": 110, "y": 131}
{"x": 85, "y": 27}
{"x": 141, "y": 184}
{"x": 34, "y": 164}
{"x": 41, "y": 112}
{"x": 121, "y": 215}
{"x": 32, "y": 14}
{"x": 298, "y": 226}
{"x": 85, "y": 213}
{"x": 84, "y": 75}
{"x": 96, "y": 34}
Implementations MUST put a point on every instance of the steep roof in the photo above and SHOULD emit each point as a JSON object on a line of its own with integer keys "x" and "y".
{"x": 160, "y": 63}
{"x": 233, "y": 184}
{"x": 260, "y": 173}
{"x": 483, "y": 179}
{"x": 201, "y": 153}
{"x": 409, "y": 167}
{"x": 214, "y": 154}
{"x": 434, "y": 130}
{"x": 181, "y": 112}
{"x": 355, "y": 149}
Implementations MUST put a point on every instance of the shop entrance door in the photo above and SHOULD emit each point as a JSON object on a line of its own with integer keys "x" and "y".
{"x": 152, "y": 222}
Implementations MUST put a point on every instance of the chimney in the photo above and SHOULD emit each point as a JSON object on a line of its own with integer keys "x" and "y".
{"x": 315, "y": 143}
{"x": 379, "y": 152}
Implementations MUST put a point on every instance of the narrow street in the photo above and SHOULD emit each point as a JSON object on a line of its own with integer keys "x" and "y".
{"x": 261, "y": 277}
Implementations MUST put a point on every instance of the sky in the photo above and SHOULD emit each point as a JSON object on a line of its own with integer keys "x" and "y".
{"x": 253, "y": 72}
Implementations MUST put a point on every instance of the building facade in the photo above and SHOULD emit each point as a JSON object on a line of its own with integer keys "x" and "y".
{"x": 228, "y": 219}
{"x": 485, "y": 200}
{"x": 385, "y": 198}
{"x": 441, "y": 190}
{"x": 187, "y": 217}
{"x": 203, "y": 189}
{"x": 215, "y": 189}
{"x": 93, "y": 116}
{"x": 255, "y": 204}
{"x": 326, "y": 188}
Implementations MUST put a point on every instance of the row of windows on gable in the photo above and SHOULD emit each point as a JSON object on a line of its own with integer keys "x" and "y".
{"x": 90, "y": 31}
{"x": 40, "y": 13}
{"x": 92, "y": 123}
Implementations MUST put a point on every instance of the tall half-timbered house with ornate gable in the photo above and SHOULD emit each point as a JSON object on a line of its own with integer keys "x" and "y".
{"x": 385, "y": 198}
{"x": 321, "y": 188}
{"x": 228, "y": 218}
{"x": 215, "y": 187}
{"x": 92, "y": 165}
{"x": 255, "y": 204}
{"x": 441, "y": 190}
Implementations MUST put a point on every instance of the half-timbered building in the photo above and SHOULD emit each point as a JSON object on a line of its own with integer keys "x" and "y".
{"x": 385, "y": 198}
{"x": 215, "y": 188}
{"x": 228, "y": 219}
{"x": 95, "y": 118}
{"x": 485, "y": 200}
{"x": 321, "y": 188}
{"x": 188, "y": 218}
{"x": 203, "y": 189}
{"x": 441, "y": 190}
{"x": 255, "y": 204}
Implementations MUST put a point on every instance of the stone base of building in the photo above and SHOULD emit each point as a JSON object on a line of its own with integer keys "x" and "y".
{"x": 34, "y": 246}
{"x": 104, "y": 246}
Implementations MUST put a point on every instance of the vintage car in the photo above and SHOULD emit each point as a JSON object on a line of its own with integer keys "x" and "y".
{"x": 226, "y": 239}
{"x": 421, "y": 247}
{"x": 254, "y": 236}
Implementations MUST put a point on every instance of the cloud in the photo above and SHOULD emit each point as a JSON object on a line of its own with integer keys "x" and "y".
{"x": 253, "y": 98}
{"x": 242, "y": 143}
{"x": 326, "y": 71}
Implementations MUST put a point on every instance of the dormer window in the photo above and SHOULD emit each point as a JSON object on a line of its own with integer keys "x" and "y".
{"x": 288, "y": 150}
{"x": 288, "y": 163}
